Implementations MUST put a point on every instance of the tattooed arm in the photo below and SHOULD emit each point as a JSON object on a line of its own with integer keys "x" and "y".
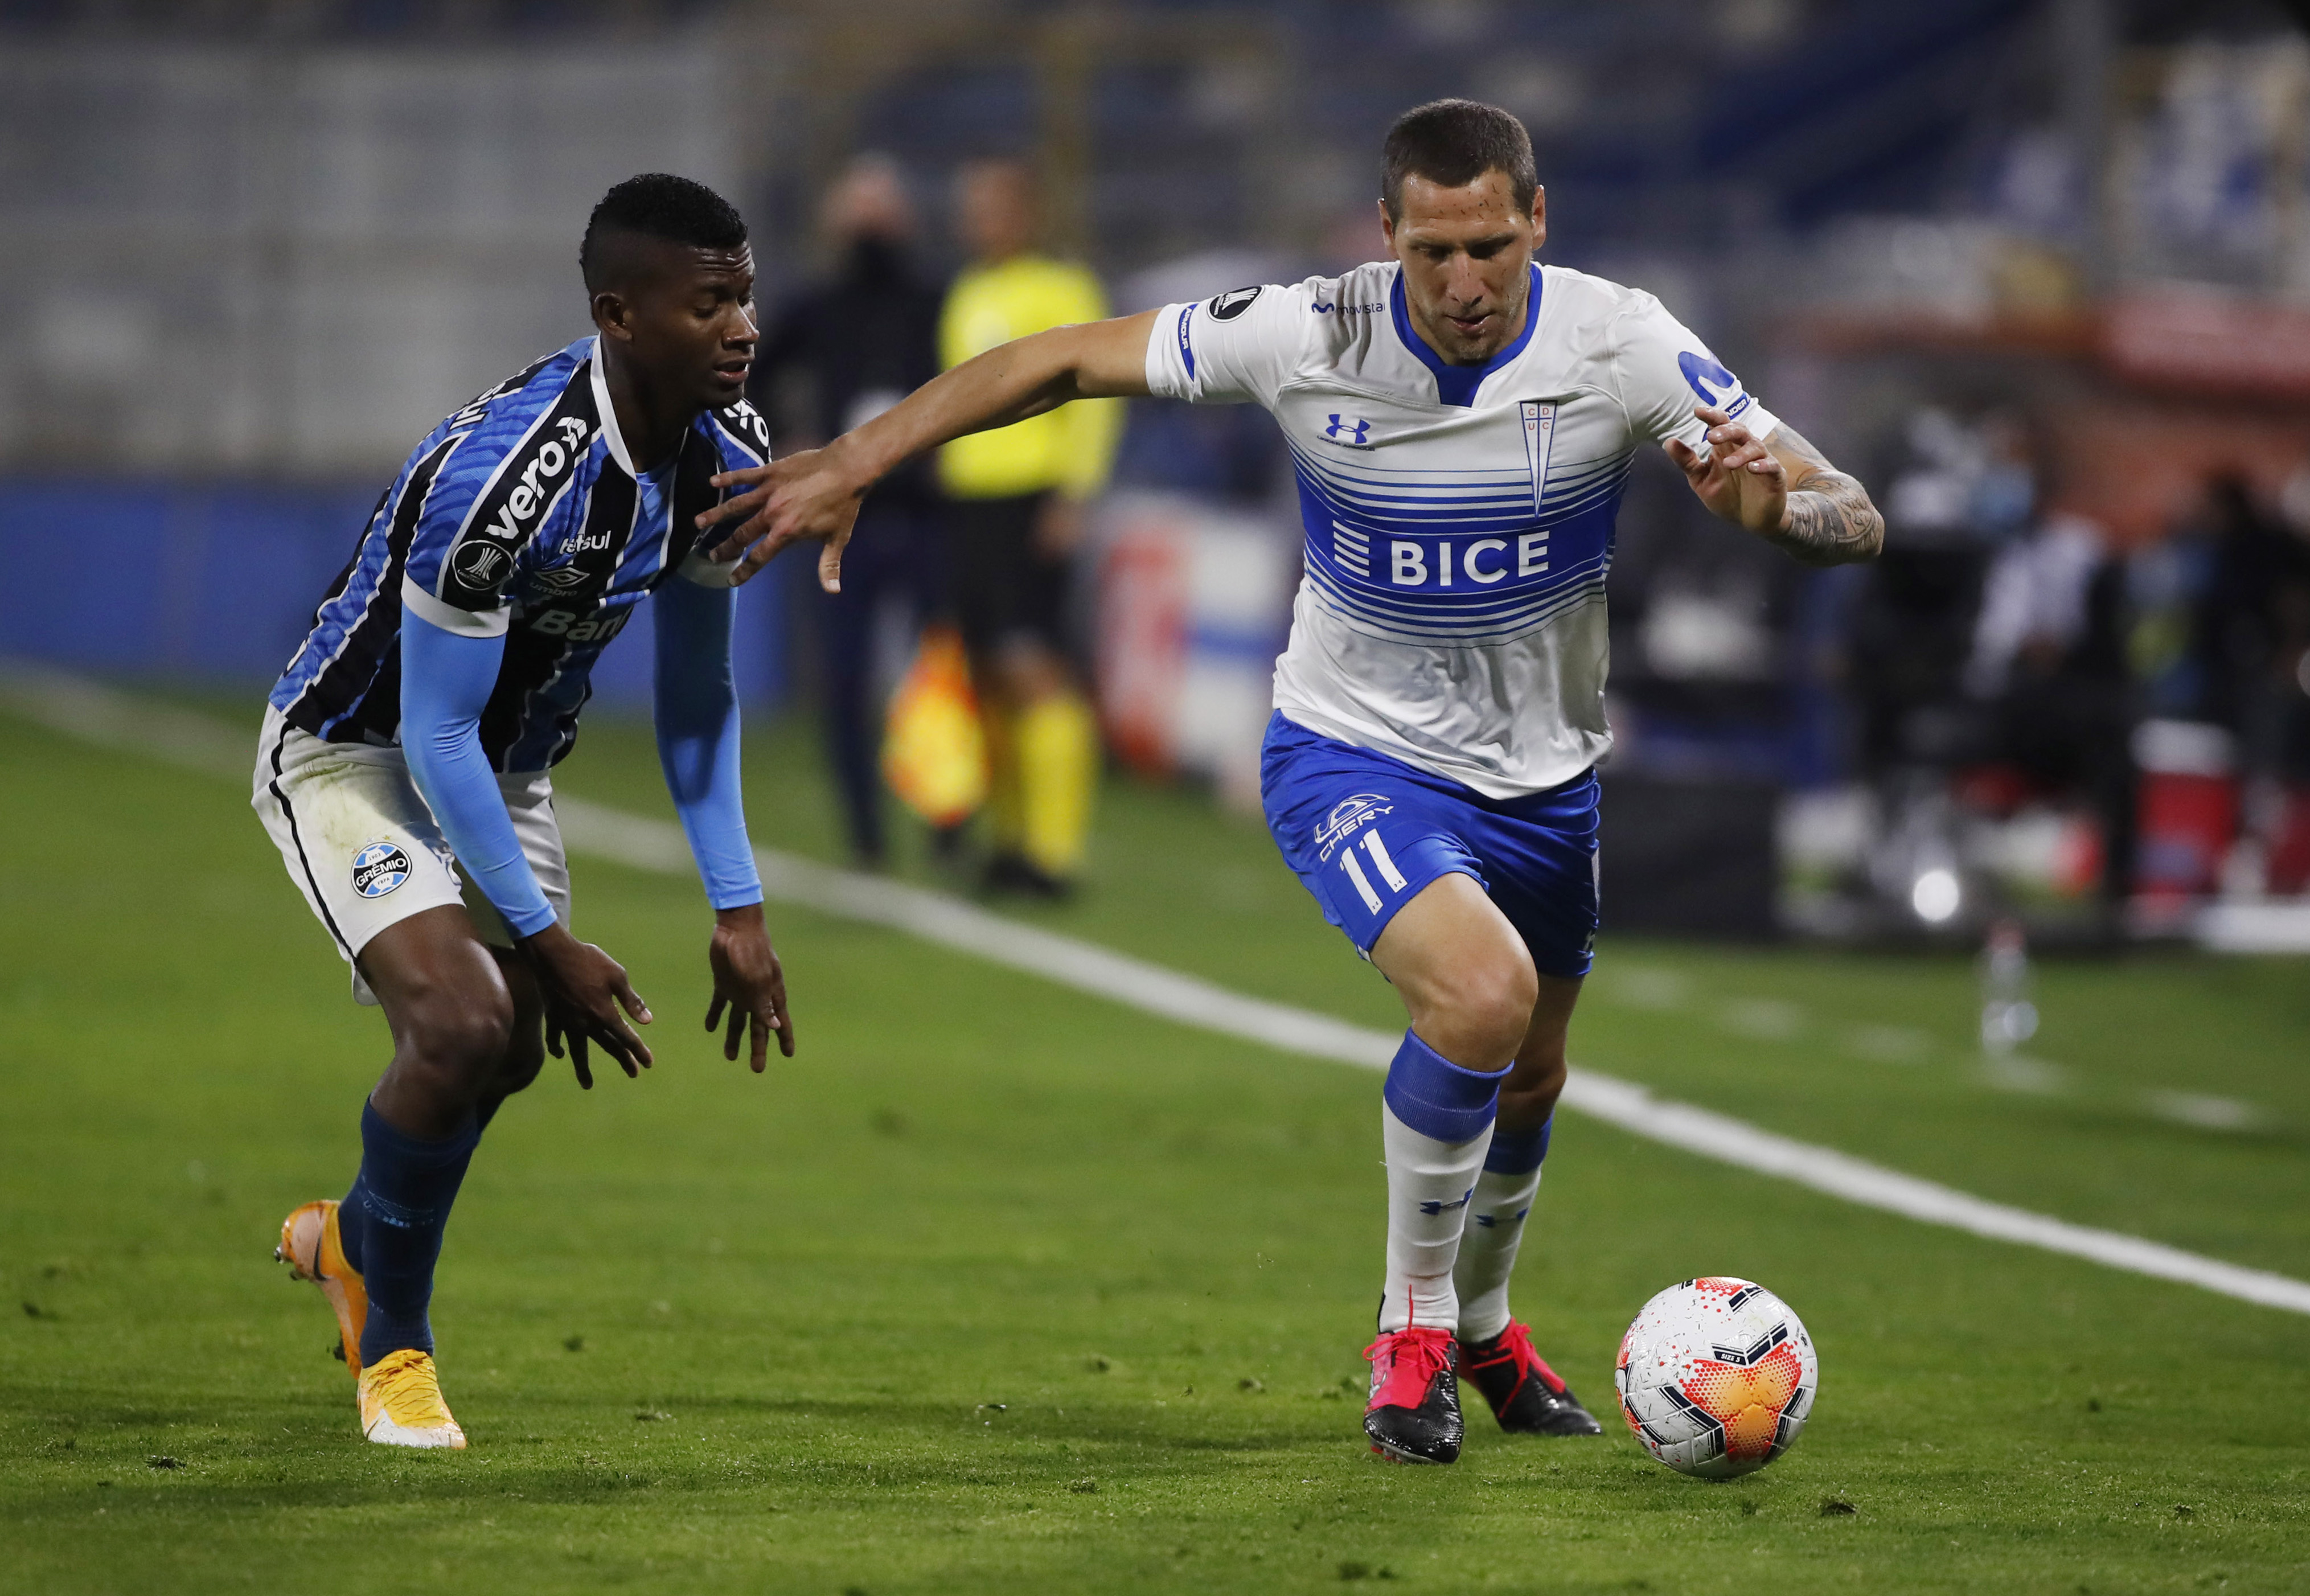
{"x": 1785, "y": 490}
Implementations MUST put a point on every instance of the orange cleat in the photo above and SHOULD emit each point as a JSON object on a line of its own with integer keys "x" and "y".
{"x": 401, "y": 1403}
{"x": 311, "y": 1248}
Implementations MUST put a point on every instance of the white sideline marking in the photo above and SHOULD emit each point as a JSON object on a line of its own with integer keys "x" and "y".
{"x": 96, "y": 713}
{"x": 2255, "y": 927}
{"x": 2207, "y": 1113}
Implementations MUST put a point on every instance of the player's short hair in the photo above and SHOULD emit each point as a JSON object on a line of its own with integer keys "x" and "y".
{"x": 1454, "y": 143}
{"x": 658, "y": 205}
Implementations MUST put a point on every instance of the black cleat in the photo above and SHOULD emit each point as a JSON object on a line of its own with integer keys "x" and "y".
{"x": 1413, "y": 1416}
{"x": 1525, "y": 1395}
{"x": 1014, "y": 875}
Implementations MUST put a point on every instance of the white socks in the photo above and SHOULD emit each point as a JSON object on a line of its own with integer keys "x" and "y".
{"x": 1488, "y": 1251}
{"x": 1429, "y": 1187}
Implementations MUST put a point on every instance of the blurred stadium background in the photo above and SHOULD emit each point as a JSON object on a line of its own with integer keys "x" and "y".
{"x": 2039, "y": 269}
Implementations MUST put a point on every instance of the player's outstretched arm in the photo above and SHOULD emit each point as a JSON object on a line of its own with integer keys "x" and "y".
{"x": 1784, "y": 489}
{"x": 697, "y": 714}
{"x": 815, "y": 496}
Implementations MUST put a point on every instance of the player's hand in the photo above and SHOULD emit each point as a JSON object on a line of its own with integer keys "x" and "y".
{"x": 584, "y": 989}
{"x": 1740, "y": 479}
{"x": 806, "y": 497}
{"x": 748, "y": 982}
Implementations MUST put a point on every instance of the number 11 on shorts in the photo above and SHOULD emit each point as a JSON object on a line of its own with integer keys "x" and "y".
{"x": 1380, "y": 861}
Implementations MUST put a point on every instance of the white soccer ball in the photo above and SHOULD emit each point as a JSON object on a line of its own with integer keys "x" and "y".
{"x": 1716, "y": 1377}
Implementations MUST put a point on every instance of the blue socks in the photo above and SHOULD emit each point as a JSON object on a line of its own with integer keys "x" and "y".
{"x": 391, "y": 1223}
{"x": 1518, "y": 1153}
{"x": 1438, "y": 1098}
{"x": 1497, "y": 1208}
{"x": 1433, "y": 1129}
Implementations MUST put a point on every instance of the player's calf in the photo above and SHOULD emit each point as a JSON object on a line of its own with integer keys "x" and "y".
{"x": 452, "y": 1016}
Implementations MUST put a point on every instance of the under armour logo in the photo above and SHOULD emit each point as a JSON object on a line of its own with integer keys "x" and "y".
{"x": 1352, "y": 432}
{"x": 1445, "y": 1208}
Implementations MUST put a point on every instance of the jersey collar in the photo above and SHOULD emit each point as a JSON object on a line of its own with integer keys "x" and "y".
{"x": 609, "y": 415}
{"x": 1457, "y": 385}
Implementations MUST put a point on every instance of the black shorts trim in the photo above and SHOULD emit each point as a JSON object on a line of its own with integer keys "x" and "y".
{"x": 288, "y": 813}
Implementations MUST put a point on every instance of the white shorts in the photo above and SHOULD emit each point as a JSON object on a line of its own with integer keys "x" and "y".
{"x": 363, "y": 847}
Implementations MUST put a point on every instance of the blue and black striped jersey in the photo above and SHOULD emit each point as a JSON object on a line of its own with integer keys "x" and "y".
{"x": 521, "y": 514}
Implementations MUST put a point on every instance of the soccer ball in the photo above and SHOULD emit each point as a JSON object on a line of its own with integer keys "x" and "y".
{"x": 1716, "y": 1377}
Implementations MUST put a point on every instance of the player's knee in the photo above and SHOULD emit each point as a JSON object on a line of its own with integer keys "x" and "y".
{"x": 1489, "y": 1002}
{"x": 525, "y": 1057}
{"x": 1529, "y": 1094}
{"x": 461, "y": 1042}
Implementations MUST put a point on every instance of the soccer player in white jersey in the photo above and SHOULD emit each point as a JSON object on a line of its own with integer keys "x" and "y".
{"x": 1462, "y": 420}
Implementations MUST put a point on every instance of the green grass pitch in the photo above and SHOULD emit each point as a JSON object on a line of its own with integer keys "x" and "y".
{"x": 1000, "y": 1288}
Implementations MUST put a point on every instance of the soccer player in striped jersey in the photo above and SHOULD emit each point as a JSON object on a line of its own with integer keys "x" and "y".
{"x": 403, "y": 769}
{"x": 1462, "y": 420}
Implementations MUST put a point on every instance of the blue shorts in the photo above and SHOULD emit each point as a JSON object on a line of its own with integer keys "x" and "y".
{"x": 1366, "y": 832}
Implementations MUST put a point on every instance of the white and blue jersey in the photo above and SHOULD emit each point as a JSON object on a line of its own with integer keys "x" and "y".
{"x": 521, "y": 515}
{"x": 1458, "y": 518}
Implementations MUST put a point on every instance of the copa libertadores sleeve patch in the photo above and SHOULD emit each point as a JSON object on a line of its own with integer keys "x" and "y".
{"x": 1231, "y": 303}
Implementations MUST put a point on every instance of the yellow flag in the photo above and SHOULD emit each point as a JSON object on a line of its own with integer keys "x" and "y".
{"x": 934, "y": 749}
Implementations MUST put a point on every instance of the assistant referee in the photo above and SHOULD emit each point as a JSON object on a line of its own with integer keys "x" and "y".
{"x": 1019, "y": 493}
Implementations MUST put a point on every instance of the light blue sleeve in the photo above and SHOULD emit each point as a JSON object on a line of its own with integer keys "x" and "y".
{"x": 697, "y": 704}
{"x": 446, "y": 681}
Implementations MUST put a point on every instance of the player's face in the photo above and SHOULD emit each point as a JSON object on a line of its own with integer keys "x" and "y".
{"x": 690, "y": 321}
{"x": 1466, "y": 255}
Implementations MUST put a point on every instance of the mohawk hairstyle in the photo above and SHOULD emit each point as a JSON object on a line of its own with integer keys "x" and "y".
{"x": 1454, "y": 143}
{"x": 658, "y": 205}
